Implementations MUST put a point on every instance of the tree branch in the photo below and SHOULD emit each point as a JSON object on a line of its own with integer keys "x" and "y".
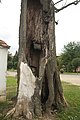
{"x": 58, "y": 2}
{"x": 72, "y": 3}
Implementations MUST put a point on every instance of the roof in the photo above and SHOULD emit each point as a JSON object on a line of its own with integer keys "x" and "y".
{"x": 3, "y": 44}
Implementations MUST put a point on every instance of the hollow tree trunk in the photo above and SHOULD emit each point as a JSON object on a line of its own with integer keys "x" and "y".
{"x": 37, "y": 61}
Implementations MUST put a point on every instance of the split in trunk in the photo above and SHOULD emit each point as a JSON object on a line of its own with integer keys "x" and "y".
{"x": 40, "y": 87}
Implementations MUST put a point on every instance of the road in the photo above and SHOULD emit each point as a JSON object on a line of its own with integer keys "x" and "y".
{"x": 11, "y": 73}
{"x": 72, "y": 79}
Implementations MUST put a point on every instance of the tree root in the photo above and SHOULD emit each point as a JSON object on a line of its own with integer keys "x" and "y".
{"x": 10, "y": 113}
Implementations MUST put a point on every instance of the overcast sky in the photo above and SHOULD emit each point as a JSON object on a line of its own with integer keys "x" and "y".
{"x": 68, "y": 28}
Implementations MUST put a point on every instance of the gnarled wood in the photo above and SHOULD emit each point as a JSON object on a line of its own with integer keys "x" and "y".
{"x": 37, "y": 48}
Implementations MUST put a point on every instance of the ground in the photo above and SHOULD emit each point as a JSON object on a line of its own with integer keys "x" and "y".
{"x": 71, "y": 78}
{"x": 11, "y": 73}
{"x": 71, "y": 93}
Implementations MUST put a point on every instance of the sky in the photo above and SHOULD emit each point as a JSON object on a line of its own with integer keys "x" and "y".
{"x": 67, "y": 30}
{"x": 9, "y": 23}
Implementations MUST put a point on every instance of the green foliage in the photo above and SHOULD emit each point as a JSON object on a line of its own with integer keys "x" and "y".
{"x": 12, "y": 61}
{"x": 70, "y": 51}
{"x": 69, "y": 67}
{"x": 76, "y": 63}
{"x": 15, "y": 60}
{"x": 9, "y": 63}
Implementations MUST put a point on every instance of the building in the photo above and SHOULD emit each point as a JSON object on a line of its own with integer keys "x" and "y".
{"x": 3, "y": 69}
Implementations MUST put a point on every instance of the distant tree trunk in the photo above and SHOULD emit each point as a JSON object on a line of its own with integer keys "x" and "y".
{"x": 37, "y": 61}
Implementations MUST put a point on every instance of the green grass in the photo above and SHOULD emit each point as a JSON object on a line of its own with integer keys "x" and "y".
{"x": 11, "y": 81}
{"x": 10, "y": 92}
{"x": 72, "y": 95}
{"x": 11, "y": 87}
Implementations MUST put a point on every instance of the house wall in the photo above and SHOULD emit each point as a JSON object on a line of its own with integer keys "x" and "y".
{"x": 3, "y": 70}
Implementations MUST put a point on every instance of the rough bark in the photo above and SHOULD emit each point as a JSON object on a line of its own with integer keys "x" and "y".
{"x": 37, "y": 49}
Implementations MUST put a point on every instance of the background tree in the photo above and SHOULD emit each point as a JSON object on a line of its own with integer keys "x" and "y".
{"x": 70, "y": 51}
{"x": 12, "y": 61}
{"x": 15, "y": 60}
{"x": 75, "y": 63}
{"x": 9, "y": 61}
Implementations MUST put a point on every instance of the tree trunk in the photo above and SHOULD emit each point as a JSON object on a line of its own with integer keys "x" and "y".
{"x": 40, "y": 87}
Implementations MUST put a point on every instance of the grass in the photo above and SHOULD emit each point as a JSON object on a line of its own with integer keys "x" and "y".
{"x": 10, "y": 92}
{"x": 72, "y": 95}
{"x": 11, "y": 81}
{"x": 11, "y": 87}
{"x": 71, "y": 92}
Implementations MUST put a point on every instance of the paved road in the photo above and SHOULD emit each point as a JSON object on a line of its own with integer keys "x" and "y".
{"x": 10, "y": 73}
{"x": 73, "y": 79}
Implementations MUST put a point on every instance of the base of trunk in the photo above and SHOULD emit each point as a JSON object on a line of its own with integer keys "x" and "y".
{"x": 37, "y": 96}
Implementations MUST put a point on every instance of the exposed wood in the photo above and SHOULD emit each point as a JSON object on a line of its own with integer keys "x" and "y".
{"x": 22, "y": 38}
{"x": 37, "y": 49}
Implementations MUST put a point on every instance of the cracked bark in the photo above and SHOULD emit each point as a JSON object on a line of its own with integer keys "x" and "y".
{"x": 37, "y": 49}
